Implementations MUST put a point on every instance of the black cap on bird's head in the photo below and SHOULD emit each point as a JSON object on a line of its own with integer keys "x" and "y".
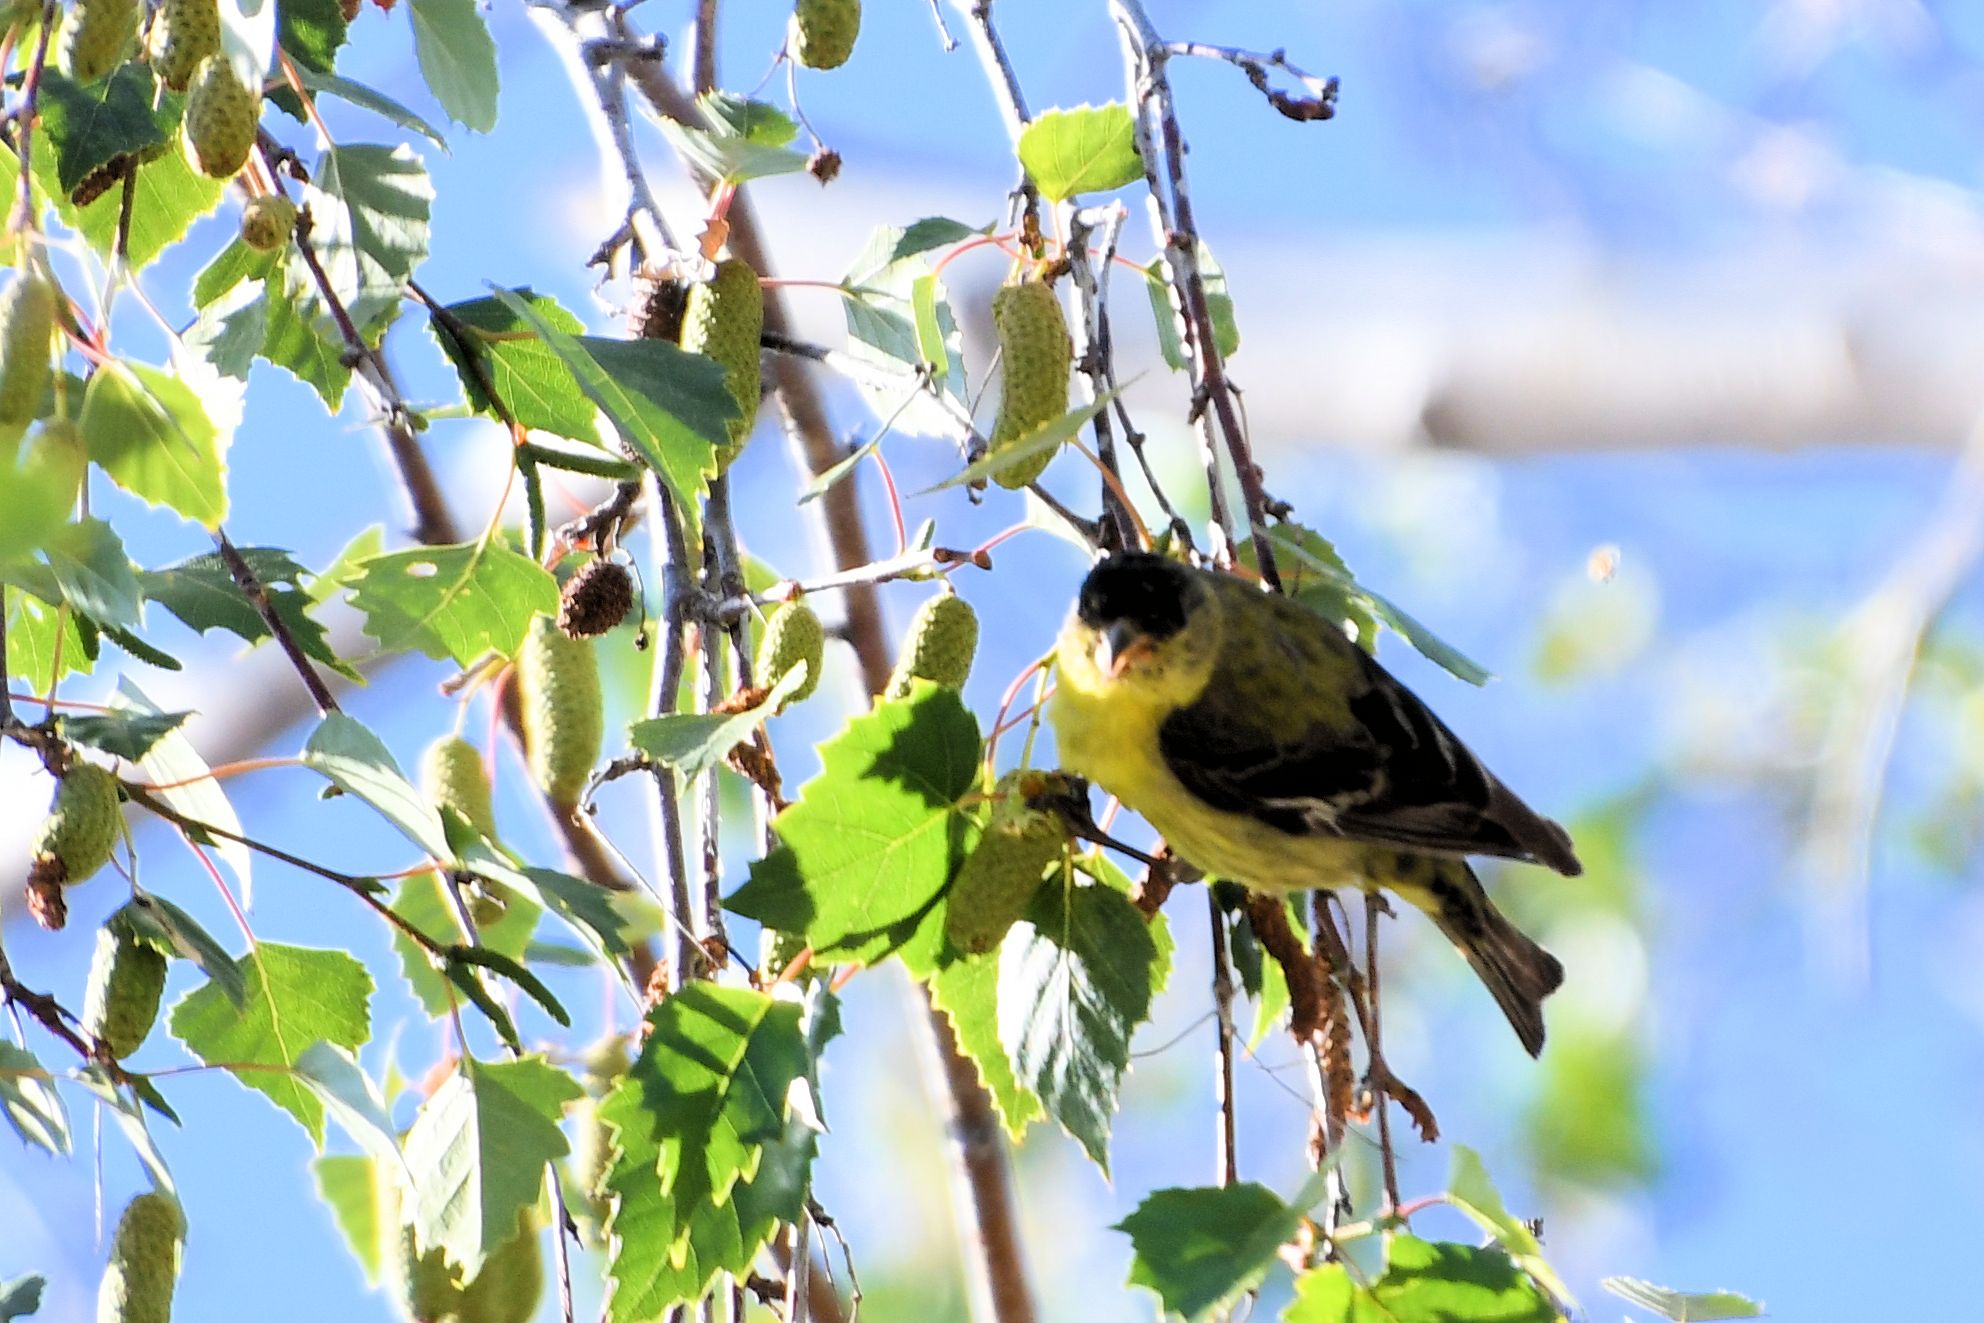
{"x": 1133, "y": 601}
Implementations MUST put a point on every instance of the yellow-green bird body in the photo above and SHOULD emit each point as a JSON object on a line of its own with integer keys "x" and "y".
{"x": 1269, "y": 749}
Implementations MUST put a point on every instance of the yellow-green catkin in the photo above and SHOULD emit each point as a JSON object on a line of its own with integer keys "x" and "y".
{"x": 452, "y": 776}
{"x": 96, "y": 36}
{"x": 511, "y": 1281}
{"x": 27, "y": 325}
{"x": 76, "y": 838}
{"x": 127, "y": 977}
{"x": 1003, "y": 871}
{"x": 222, "y": 114}
{"x": 1037, "y": 358}
{"x": 793, "y": 635}
{"x": 724, "y": 319}
{"x": 144, "y": 1262}
{"x": 823, "y": 32}
{"x": 184, "y": 33}
{"x": 564, "y": 716}
{"x": 425, "y": 1285}
{"x": 268, "y": 220}
{"x": 940, "y": 644}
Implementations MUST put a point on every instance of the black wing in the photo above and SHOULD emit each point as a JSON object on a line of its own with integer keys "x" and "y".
{"x": 1387, "y": 771}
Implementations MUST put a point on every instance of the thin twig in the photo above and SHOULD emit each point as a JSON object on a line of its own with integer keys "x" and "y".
{"x": 1320, "y": 103}
{"x": 1005, "y": 85}
{"x": 257, "y": 593}
{"x": 910, "y": 564}
{"x": 51, "y": 1014}
{"x": 1094, "y": 354}
{"x": 23, "y": 217}
{"x": 365, "y": 888}
{"x": 1378, "y": 1074}
{"x": 1227, "y": 1154}
{"x": 702, "y": 74}
{"x": 1161, "y": 140}
{"x": 672, "y": 549}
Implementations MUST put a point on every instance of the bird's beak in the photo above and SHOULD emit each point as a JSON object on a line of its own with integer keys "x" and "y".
{"x": 1118, "y": 647}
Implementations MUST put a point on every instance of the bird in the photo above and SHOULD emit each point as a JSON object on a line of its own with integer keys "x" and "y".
{"x": 1270, "y": 750}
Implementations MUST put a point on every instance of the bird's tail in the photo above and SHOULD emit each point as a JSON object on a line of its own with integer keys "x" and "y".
{"x": 1517, "y": 971}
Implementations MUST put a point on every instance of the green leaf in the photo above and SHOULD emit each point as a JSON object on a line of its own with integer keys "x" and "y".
{"x": 231, "y": 331}
{"x": 173, "y": 930}
{"x": 457, "y": 58}
{"x": 93, "y": 573}
{"x": 716, "y": 1070}
{"x": 967, "y": 992}
{"x": 529, "y": 378}
{"x": 706, "y": 1158}
{"x": 1089, "y": 149}
{"x": 1423, "y": 1280}
{"x": 30, "y": 1102}
{"x": 167, "y": 197}
{"x": 351, "y": 1099}
{"x": 39, "y": 483}
{"x": 355, "y": 761}
{"x": 190, "y": 788}
{"x": 303, "y": 338}
{"x": 296, "y": 998}
{"x": 37, "y": 636}
{"x": 201, "y": 591}
{"x": 90, "y": 126}
{"x": 587, "y": 909}
{"x": 738, "y": 140}
{"x": 696, "y": 743}
{"x": 670, "y": 406}
{"x": 310, "y": 31}
{"x": 477, "y": 1152}
{"x": 459, "y": 601}
{"x": 21, "y": 1296}
{"x": 750, "y": 121}
{"x": 124, "y": 735}
{"x": 349, "y": 1184}
{"x": 421, "y": 903}
{"x": 369, "y": 98}
{"x": 899, "y": 317}
{"x": 1199, "y": 1249}
{"x": 874, "y": 838}
{"x": 1219, "y": 306}
{"x": 1315, "y": 575}
{"x": 369, "y": 207}
{"x": 234, "y": 264}
{"x": 1076, "y": 978}
{"x": 1683, "y": 1306}
{"x": 1471, "y": 1191}
{"x": 151, "y": 433}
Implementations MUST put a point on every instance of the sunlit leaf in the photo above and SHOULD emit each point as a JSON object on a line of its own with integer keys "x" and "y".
{"x": 477, "y": 1152}
{"x": 355, "y": 761}
{"x": 29, "y": 1101}
{"x": 1199, "y": 1249}
{"x": 460, "y": 602}
{"x": 1683, "y": 1306}
{"x": 457, "y": 58}
{"x": 296, "y": 998}
{"x": 1089, "y": 149}
{"x": 874, "y": 838}
{"x": 1075, "y": 980}
{"x": 150, "y": 431}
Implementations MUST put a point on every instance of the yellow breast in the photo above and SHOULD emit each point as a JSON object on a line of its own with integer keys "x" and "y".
{"x": 1113, "y": 741}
